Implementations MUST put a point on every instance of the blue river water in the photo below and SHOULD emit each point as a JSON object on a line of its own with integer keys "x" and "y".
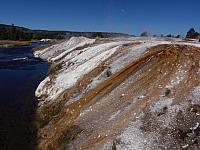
{"x": 20, "y": 74}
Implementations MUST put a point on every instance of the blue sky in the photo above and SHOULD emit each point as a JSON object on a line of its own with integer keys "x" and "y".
{"x": 129, "y": 16}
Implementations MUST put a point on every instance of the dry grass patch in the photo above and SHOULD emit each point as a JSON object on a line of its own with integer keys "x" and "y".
{"x": 9, "y": 43}
{"x": 39, "y": 48}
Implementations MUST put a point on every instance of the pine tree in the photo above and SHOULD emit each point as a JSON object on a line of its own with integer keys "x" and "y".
{"x": 192, "y": 34}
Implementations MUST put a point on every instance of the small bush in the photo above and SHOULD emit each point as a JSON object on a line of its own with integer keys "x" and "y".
{"x": 97, "y": 35}
{"x": 144, "y": 34}
{"x": 192, "y": 34}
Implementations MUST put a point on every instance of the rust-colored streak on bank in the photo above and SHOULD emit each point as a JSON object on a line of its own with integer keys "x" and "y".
{"x": 103, "y": 112}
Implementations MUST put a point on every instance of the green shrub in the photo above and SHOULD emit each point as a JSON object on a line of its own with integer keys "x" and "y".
{"x": 97, "y": 35}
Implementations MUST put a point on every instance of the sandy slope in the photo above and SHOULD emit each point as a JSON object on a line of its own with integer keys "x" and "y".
{"x": 122, "y": 93}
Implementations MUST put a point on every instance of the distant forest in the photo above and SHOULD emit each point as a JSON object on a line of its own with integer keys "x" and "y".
{"x": 12, "y": 32}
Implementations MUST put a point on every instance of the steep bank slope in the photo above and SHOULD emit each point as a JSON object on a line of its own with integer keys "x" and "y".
{"x": 121, "y": 94}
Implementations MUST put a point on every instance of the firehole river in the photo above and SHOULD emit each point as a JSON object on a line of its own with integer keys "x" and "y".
{"x": 20, "y": 74}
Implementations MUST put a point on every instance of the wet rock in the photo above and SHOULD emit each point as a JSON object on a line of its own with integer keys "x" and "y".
{"x": 167, "y": 92}
{"x": 108, "y": 73}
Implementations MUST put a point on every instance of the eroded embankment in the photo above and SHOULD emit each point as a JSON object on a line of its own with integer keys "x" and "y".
{"x": 150, "y": 103}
